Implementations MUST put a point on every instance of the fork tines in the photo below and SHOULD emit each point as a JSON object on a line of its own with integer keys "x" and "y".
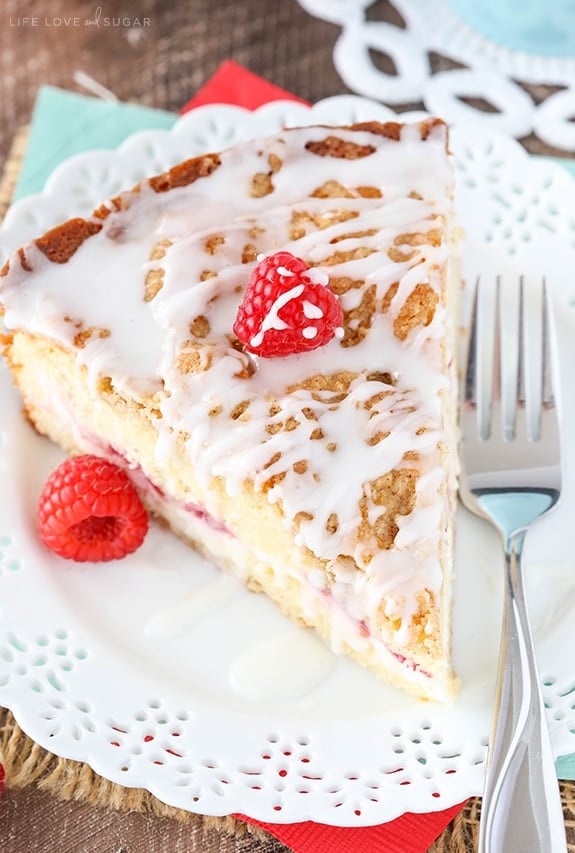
{"x": 515, "y": 399}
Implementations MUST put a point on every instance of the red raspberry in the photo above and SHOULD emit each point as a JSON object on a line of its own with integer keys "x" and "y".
{"x": 287, "y": 308}
{"x": 90, "y": 510}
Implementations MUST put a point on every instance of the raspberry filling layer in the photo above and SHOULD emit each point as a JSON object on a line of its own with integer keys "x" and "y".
{"x": 363, "y": 629}
{"x": 202, "y": 514}
{"x": 147, "y": 487}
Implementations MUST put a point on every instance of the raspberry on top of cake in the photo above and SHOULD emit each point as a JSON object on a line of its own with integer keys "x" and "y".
{"x": 325, "y": 476}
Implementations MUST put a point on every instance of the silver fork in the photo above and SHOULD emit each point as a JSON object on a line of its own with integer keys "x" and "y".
{"x": 511, "y": 477}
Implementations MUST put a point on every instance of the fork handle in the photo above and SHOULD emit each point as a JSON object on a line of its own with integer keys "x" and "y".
{"x": 521, "y": 806}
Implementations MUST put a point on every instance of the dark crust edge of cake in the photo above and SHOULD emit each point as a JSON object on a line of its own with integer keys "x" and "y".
{"x": 60, "y": 243}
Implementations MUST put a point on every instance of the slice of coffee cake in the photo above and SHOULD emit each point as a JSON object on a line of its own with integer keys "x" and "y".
{"x": 323, "y": 474}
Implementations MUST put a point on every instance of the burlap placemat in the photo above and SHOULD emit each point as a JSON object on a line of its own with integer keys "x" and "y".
{"x": 26, "y": 763}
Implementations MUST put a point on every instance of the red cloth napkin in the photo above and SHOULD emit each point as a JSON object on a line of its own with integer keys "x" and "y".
{"x": 410, "y": 833}
{"x": 234, "y": 84}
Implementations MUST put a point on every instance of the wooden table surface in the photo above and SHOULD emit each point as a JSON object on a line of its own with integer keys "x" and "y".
{"x": 159, "y": 61}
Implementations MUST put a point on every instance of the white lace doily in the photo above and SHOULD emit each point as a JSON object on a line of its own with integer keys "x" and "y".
{"x": 491, "y": 72}
{"x": 163, "y": 674}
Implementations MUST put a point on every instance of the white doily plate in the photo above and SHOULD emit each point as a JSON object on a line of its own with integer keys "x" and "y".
{"x": 163, "y": 674}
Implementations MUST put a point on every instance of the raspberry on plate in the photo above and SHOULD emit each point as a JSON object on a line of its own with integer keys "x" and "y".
{"x": 287, "y": 308}
{"x": 89, "y": 510}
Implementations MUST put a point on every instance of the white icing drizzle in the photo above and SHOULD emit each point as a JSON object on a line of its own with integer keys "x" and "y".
{"x": 102, "y": 286}
{"x": 311, "y": 311}
{"x": 272, "y": 320}
{"x": 317, "y": 276}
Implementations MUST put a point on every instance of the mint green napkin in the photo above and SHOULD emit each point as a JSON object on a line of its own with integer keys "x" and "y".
{"x": 65, "y": 123}
{"x": 565, "y": 765}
